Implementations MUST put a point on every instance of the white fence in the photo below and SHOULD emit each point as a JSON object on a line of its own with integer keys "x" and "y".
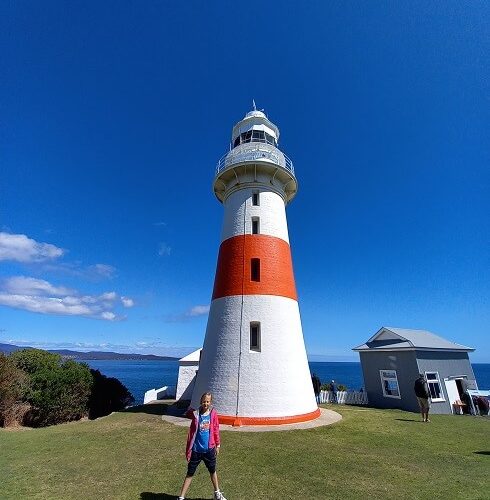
{"x": 344, "y": 397}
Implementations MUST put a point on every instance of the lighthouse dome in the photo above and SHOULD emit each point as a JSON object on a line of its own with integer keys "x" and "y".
{"x": 254, "y": 127}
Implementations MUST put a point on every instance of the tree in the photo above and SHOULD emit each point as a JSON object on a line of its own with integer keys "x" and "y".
{"x": 58, "y": 389}
{"x": 108, "y": 395}
{"x": 13, "y": 386}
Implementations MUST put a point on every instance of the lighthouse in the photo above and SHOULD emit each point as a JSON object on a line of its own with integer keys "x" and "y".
{"x": 253, "y": 359}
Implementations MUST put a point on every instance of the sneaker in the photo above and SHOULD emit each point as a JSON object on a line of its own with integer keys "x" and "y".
{"x": 219, "y": 496}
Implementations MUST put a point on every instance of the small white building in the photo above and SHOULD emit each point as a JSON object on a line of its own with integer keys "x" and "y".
{"x": 188, "y": 366}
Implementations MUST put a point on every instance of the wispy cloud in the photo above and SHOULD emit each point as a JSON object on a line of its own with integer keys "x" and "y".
{"x": 198, "y": 311}
{"x": 164, "y": 249}
{"x": 45, "y": 257}
{"x": 20, "y": 248}
{"x": 96, "y": 272}
{"x": 22, "y": 285}
{"x": 160, "y": 224}
{"x": 127, "y": 302}
{"x": 193, "y": 312}
{"x": 40, "y": 296}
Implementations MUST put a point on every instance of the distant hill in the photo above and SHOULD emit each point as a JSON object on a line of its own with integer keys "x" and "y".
{"x": 93, "y": 355}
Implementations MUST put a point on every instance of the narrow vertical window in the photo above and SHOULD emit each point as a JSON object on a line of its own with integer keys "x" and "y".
{"x": 255, "y": 336}
{"x": 255, "y": 269}
{"x": 255, "y": 225}
{"x": 255, "y": 199}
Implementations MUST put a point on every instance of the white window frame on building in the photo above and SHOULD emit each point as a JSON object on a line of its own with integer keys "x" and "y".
{"x": 257, "y": 346}
{"x": 255, "y": 225}
{"x": 389, "y": 376}
{"x": 432, "y": 383}
{"x": 255, "y": 199}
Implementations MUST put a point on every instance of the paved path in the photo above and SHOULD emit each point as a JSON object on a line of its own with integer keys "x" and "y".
{"x": 327, "y": 417}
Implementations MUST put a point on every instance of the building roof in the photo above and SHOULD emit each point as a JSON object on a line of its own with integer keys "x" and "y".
{"x": 398, "y": 339}
{"x": 192, "y": 357}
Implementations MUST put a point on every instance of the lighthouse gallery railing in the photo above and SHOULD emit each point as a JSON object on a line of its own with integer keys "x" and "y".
{"x": 253, "y": 152}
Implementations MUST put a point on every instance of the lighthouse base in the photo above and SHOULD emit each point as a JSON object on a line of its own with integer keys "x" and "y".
{"x": 238, "y": 421}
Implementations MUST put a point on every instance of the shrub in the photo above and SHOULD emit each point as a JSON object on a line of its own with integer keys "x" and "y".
{"x": 340, "y": 387}
{"x": 14, "y": 384}
{"x": 108, "y": 395}
{"x": 58, "y": 390}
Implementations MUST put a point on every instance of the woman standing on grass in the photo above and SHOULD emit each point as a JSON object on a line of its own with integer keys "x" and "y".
{"x": 203, "y": 443}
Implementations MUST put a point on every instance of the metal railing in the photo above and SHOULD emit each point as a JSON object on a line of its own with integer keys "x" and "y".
{"x": 253, "y": 152}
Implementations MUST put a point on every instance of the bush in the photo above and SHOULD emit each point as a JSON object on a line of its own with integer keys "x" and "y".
{"x": 14, "y": 384}
{"x": 340, "y": 387}
{"x": 58, "y": 390}
{"x": 108, "y": 395}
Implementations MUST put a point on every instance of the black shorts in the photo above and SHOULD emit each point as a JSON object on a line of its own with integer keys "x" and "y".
{"x": 209, "y": 459}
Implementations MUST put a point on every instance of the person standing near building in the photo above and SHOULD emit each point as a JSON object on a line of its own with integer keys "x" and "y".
{"x": 333, "y": 392}
{"x": 317, "y": 385}
{"x": 422, "y": 392}
{"x": 203, "y": 444}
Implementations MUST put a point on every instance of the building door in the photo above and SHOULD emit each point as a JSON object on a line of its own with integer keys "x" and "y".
{"x": 452, "y": 392}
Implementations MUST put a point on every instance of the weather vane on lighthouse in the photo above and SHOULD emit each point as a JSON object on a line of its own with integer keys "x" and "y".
{"x": 253, "y": 358}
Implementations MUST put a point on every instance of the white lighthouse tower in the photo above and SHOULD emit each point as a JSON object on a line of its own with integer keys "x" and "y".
{"x": 254, "y": 358}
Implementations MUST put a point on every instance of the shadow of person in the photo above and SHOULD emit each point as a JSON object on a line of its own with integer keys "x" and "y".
{"x": 409, "y": 420}
{"x": 146, "y": 495}
{"x": 482, "y": 452}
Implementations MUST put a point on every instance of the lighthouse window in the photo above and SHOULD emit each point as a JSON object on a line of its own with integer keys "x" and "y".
{"x": 255, "y": 336}
{"x": 255, "y": 136}
{"x": 255, "y": 225}
{"x": 255, "y": 270}
{"x": 269, "y": 139}
{"x": 246, "y": 136}
{"x": 255, "y": 199}
{"x": 258, "y": 136}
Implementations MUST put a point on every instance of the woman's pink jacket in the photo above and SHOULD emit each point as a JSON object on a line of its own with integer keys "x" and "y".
{"x": 214, "y": 439}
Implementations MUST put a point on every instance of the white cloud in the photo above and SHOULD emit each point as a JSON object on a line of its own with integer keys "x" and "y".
{"x": 193, "y": 312}
{"x": 110, "y": 316}
{"x": 127, "y": 302}
{"x": 164, "y": 249}
{"x": 20, "y": 248}
{"x": 42, "y": 297}
{"x": 23, "y": 285}
{"x": 198, "y": 311}
{"x": 103, "y": 270}
{"x": 45, "y": 305}
{"x": 94, "y": 272}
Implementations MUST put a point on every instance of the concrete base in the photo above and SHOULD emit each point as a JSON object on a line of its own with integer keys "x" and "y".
{"x": 327, "y": 417}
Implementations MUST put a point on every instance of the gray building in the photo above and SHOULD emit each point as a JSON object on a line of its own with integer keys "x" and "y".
{"x": 392, "y": 359}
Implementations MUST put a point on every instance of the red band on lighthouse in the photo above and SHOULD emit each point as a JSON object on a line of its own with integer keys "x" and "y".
{"x": 234, "y": 274}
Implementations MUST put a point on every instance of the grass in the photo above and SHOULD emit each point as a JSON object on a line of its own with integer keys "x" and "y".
{"x": 369, "y": 454}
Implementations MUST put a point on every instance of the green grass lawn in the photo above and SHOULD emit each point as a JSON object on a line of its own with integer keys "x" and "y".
{"x": 369, "y": 454}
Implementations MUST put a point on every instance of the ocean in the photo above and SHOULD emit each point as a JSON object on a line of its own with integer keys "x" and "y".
{"x": 140, "y": 376}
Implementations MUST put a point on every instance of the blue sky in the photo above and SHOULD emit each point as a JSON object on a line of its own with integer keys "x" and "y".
{"x": 114, "y": 114}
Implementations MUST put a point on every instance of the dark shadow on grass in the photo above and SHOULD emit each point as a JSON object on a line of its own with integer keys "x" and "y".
{"x": 159, "y": 408}
{"x": 146, "y": 495}
{"x": 482, "y": 452}
{"x": 409, "y": 420}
